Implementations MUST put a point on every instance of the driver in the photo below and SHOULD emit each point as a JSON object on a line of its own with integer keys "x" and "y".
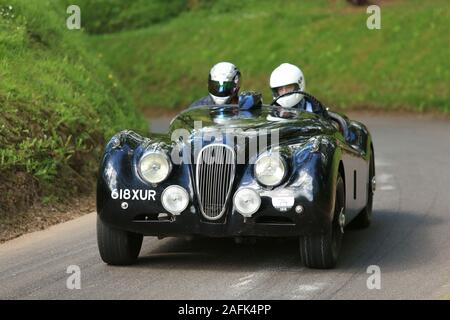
{"x": 223, "y": 85}
{"x": 287, "y": 78}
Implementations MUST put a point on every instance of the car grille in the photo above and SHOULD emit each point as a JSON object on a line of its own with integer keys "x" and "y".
{"x": 214, "y": 178}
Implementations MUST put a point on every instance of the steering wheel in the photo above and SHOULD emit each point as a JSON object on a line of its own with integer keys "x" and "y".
{"x": 318, "y": 107}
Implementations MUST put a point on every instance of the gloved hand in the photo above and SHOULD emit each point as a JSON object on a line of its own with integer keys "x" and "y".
{"x": 248, "y": 100}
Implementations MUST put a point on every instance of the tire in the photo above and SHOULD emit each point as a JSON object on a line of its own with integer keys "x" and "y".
{"x": 117, "y": 247}
{"x": 364, "y": 218}
{"x": 321, "y": 251}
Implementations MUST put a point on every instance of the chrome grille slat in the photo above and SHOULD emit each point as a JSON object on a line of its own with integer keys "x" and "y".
{"x": 221, "y": 178}
{"x": 215, "y": 171}
{"x": 207, "y": 195}
{"x": 211, "y": 176}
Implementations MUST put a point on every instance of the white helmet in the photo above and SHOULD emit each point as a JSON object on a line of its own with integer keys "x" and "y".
{"x": 223, "y": 82}
{"x": 286, "y": 74}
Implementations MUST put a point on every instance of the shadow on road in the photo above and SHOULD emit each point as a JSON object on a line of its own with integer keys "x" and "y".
{"x": 389, "y": 242}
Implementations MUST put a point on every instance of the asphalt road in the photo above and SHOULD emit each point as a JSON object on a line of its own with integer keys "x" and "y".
{"x": 409, "y": 241}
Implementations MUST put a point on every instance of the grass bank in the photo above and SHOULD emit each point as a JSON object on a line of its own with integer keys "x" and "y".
{"x": 58, "y": 104}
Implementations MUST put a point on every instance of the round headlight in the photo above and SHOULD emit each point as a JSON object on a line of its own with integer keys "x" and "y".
{"x": 175, "y": 199}
{"x": 270, "y": 169}
{"x": 154, "y": 167}
{"x": 247, "y": 201}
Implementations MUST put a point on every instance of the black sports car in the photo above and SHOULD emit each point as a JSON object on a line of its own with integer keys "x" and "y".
{"x": 226, "y": 172}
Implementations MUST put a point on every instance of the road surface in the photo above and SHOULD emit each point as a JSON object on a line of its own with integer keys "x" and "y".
{"x": 409, "y": 241}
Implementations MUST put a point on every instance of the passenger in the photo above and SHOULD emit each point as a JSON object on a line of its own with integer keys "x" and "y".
{"x": 287, "y": 78}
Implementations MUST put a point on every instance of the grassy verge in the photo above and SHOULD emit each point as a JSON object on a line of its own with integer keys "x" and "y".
{"x": 404, "y": 65}
{"x": 107, "y": 16}
{"x": 58, "y": 104}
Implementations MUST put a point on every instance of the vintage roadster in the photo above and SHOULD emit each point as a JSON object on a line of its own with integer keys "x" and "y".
{"x": 226, "y": 172}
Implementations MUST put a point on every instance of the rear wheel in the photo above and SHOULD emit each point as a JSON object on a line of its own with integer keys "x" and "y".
{"x": 321, "y": 251}
{"x": 117, "y": 247}
{"x": 364, "y": 218}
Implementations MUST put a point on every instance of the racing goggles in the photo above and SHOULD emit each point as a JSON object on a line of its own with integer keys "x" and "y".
{"x": 221, "y": 88}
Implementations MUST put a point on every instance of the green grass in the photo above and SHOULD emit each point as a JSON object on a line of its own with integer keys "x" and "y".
{"x": 58, "y": 104}
{"x": 405, "y": 65}
{"x": 106, "y": 16}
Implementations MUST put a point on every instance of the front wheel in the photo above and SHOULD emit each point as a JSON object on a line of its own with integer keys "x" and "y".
{"x": 321, "y": 251}
{"x": 117, "y": 247}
